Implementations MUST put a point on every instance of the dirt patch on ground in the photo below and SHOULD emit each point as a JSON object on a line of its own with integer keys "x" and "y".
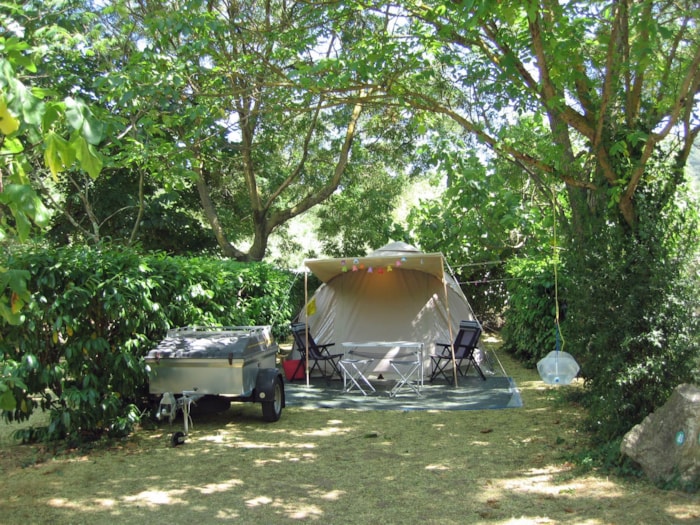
{"x": 339, "y": 466}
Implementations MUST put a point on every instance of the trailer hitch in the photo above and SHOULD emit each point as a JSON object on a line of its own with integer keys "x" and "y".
{"x": 169, "y": 406}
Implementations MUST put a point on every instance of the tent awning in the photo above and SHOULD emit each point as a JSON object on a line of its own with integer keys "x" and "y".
{"x": 327, "y": 269}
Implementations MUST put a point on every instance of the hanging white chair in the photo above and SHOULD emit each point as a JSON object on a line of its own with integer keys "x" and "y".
{"x": 557, "y": 368}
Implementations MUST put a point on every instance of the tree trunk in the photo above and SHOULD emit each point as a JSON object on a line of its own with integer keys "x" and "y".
{"x": 210, "y": 212}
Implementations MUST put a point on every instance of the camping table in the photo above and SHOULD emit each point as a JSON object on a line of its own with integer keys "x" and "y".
{"x": 414, "y": 347}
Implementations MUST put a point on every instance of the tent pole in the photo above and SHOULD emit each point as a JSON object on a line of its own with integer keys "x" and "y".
{"x": 306, "y": 321}
{"x": 449, "y": 320}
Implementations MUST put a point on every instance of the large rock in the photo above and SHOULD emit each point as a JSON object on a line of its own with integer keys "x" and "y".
{"x": 667, "y": 443}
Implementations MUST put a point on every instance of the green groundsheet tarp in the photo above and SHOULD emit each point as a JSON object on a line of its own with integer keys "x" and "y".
{"x": 472, "y": 393}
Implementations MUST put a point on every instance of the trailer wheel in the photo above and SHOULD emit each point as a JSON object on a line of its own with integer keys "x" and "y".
{"x": 272, "y": 410}
{"x": 178, "y": 438}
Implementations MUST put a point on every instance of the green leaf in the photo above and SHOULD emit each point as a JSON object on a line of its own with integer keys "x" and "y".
{"x": 13, "y": 319}
{"x": 12, "y": 146}
{"x": 41, "y": 92}
{"x": 54, "y": 153}
{"x": 7, "y": 401}
{"x": 26, "y": 206}
{"x": 16, "y": 280}
{"x": 52, "y": 113}
{"x": 81, "y": 119}
{"x": 32, "y": 107}
{"x": 89, "y": 158}
{"x": 8, "y": 123}
{"x": 74, "y": 113}
{"x": 23, "y": 225}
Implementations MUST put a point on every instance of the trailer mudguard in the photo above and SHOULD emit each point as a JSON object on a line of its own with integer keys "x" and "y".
{"x": 265, "y": 385}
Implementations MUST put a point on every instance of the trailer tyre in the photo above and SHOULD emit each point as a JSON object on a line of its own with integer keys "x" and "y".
{"x": 178, "y": 438}
{"x": 272, "y": 410}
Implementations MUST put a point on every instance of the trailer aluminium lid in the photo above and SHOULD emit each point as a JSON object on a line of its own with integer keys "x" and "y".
{"x": 212, "y": 342}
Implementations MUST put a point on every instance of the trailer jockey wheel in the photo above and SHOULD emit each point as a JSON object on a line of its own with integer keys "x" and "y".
{"x": 178, "y": 438}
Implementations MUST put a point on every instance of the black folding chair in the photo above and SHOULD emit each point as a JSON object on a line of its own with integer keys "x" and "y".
{"x": 318, "y": 353}
{"x": 465, "y": 345}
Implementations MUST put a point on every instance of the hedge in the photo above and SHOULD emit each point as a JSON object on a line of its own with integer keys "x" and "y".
{"x": 94, "y": 313}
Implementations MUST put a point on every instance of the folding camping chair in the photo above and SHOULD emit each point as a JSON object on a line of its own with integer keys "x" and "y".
{"x": 410, "y": 373}
{"x": 465, "y": 345}
{"x": 354, "y": 370}
{"x": 317, "y": 353}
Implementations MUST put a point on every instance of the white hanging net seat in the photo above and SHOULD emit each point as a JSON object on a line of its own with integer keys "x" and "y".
{"x": 558, "y": 368}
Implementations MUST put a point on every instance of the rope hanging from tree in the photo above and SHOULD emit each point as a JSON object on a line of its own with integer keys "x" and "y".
{"x": 558, "y": 367}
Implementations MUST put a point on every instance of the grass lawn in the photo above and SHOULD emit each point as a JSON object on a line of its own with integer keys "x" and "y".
{"x": 341, "y": 467}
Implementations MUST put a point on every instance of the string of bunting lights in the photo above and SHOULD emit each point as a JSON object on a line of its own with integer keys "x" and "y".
{"x": 358, "y": 265}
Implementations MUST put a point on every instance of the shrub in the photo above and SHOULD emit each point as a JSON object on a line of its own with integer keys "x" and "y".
{"x": 632, "y": 322}
{"x": 529, "y": 332}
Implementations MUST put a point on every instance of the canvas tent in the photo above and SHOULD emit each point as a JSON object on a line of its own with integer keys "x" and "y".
{"x": 395, "y": 293}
